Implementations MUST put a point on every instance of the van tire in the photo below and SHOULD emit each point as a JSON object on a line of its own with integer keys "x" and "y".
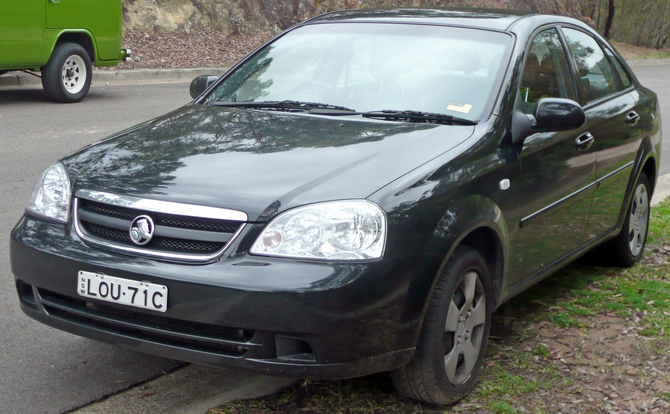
{"x": 67, "y": 75}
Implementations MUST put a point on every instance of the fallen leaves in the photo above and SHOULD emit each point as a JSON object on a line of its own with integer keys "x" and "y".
{"x": 201, "y": 47}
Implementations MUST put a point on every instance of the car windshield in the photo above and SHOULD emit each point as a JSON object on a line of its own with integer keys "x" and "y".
{"x": 374, "y": 67}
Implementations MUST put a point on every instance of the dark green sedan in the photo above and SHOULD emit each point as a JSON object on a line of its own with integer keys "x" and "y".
{"x": 358, "y": 195}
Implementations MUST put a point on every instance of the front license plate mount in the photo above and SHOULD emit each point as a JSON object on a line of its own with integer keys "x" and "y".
{"x": 122, "y": 291}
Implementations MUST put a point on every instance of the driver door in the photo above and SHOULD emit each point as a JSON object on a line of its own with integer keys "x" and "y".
{"x": 557, "y": 174}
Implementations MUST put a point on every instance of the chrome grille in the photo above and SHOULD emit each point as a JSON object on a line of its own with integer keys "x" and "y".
{"x": 187, "y": 245}
{"x": 201, "y": 224}
{"x": 162, "y": 243}
{"x": 111, "y": 210}
{"x": 107, "y": 233}
{"x": 176, "y": 236}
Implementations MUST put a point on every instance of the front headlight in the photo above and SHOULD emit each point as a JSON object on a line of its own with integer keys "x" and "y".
{"x": 339, "y": 230}
{"x": 51, "y": 195}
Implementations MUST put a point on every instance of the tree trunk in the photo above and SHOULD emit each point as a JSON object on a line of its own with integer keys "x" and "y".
{"x": 592, "y": 15}
{"x": 610, "y": 19}
{"x": 662, "y": 27}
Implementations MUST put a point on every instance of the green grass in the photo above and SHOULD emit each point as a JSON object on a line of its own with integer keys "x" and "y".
{"x": 506, "y": 383}
{"x": 541, "y": 350}
{"x": 657, "y": 54}
{"x": 503, "y": 408}
{"x": 659, "y": 226}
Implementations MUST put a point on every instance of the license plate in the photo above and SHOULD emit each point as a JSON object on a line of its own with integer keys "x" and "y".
{"x": 122, "y": 291}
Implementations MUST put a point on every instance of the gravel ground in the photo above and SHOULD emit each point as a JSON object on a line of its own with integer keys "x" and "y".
{"x": 200, "y": 47}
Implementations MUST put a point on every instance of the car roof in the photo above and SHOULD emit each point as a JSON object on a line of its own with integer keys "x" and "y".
{"x": 496, "y": 19}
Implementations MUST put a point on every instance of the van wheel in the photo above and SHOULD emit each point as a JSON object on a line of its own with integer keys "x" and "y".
{"x": 67, "y": 75}
{"x": 455, "y": 333}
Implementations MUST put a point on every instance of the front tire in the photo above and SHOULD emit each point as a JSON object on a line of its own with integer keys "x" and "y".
{"x": 67, "y": 75}
{"x": 456, "y": 328}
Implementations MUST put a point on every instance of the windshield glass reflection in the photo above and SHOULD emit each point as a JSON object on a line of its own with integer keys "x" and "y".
{"x": 371, "y": 67}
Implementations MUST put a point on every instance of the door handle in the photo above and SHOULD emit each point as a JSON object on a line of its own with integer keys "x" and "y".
{"x": 584, "y": 141}
{"x": 632, "y": 117}
{"x": 55, "y": 1}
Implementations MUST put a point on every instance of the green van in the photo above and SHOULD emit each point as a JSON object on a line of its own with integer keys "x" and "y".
{"x": 62, "y": 39}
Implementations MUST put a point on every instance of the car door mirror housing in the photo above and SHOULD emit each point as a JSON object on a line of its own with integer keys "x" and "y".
{"x": 200, "y": 84}
{"x": 558, "y": 114}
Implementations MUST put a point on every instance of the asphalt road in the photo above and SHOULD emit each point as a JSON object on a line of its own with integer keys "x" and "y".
{"x": 43, "y": 370}
{"x": 657, "y": 78}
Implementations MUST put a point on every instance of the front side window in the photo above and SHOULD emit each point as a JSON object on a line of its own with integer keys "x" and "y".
{"x": 374, "y": 67}
{"x": 546, "y": 73}
{"x": 594, "y": 70}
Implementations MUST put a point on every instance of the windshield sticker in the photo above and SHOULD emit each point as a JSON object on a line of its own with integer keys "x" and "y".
{"x": 459, "y": 107}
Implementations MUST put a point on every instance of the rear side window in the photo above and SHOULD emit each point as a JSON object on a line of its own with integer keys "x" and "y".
{"x": 594, "y": 70}
{"x": 546, "y": 73}
{"x": 625, "y": 79}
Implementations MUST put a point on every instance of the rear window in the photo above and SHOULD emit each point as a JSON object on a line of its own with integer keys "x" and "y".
{"x": 595, "y": 73}
{"x": 623, "y": 75}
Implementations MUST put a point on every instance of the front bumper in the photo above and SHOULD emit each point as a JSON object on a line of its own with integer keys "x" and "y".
{"x": 275, "y": 316}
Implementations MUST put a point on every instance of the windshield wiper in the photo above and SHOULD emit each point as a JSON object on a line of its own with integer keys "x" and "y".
{"x": 317, "y": 108}
{"x": 291, "y": 106}
{"x": 418, "y": 116}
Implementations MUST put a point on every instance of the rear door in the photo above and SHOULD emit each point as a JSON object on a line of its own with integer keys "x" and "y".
{"x": 22, "y": 26}
{"x": 100, "y": 17}
{"x": 611, "y": 117}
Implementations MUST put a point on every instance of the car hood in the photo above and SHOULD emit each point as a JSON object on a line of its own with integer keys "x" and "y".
{"x": 258, "y": 162}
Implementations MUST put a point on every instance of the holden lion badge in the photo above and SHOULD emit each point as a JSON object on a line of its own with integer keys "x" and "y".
{"x": 142, "y": 230}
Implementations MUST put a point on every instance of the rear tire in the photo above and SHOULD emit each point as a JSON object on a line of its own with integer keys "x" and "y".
{"x": 456, "y": 328}
{"x": 629, "y": 244}
{"x": 67, "y": 75}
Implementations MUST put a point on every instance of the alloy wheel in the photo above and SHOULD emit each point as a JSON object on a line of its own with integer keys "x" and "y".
{"x": 639, "y": 218}
{"x": 464, "y": 328}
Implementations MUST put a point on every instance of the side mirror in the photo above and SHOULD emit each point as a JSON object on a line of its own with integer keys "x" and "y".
{"x": 550, "y": 114}
{"x": 200, "y": 84}
{"x": 557, "y": 114}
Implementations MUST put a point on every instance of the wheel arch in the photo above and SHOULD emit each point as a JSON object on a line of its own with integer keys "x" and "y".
{"x": 80, "y": 37}
{"x": 645, "y": 163}
{"x": 476, "y": 222}
{"x": 481, "y": 226}
{"x": 487, "y": 243}
{"x": 651, "y": 170}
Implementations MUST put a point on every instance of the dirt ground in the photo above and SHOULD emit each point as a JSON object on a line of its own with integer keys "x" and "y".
{"x": 607, "y": 367}
{"x": 201, "y": 47}
{"x": 602, "y": 362}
